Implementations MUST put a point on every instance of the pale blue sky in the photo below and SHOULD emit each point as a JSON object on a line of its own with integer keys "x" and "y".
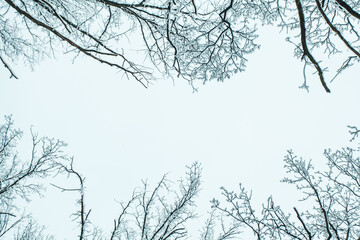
{"x": 120, "y": 133}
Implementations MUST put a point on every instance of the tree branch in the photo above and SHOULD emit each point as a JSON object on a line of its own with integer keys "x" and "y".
{"x": 348, "y": 8}
{"x": 305, "y": 48}
{"x": 12, "y": 74}
{"x": 135, "y": 73}
{"x": 303, "y": 224}
{"x": 335, "y": 29}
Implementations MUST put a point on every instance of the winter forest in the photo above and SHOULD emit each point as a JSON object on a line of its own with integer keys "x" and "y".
{"x": 179, "y": 119}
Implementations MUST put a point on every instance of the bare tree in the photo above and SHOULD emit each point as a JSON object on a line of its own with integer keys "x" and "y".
{"x": 332, "y": 26}
{"x": 333, "y": 193}
{"x": 319, "y": 29}
{"x": 82, "y": 214}
{"x": 160, "y": 213}
{"x": 30, "y": 230}
{"x": 19, "y": 179}
{"x": 164, "y": 212}
{"x": 192, "y": 40}
{"x": 326, "y": 28}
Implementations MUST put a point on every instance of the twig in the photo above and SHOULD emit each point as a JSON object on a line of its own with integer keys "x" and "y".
{"x": 8, "y": 67}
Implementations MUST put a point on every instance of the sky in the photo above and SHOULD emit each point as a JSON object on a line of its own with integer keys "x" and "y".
{"x": 121, "y": 133}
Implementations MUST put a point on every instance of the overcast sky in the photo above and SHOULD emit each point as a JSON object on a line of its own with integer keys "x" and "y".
{"x": 120, "y": 132}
